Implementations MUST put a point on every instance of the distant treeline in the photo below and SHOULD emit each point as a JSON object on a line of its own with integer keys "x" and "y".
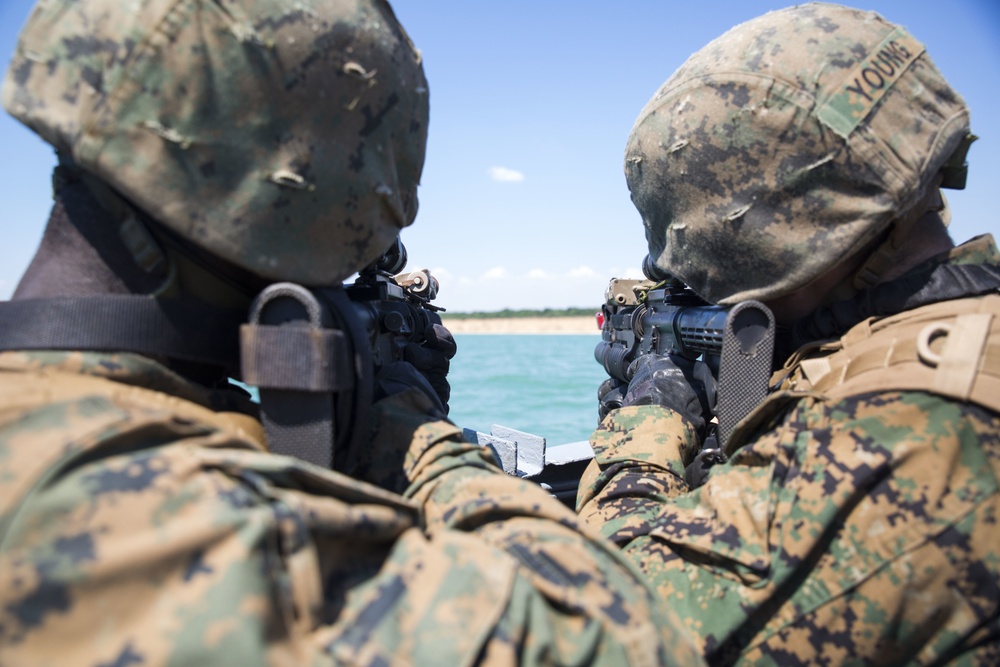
{"x": 507, "y": 313}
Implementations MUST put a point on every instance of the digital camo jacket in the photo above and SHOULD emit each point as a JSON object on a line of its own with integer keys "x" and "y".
{"x": 855, "y": 525}
{"x": 142, "y": 524}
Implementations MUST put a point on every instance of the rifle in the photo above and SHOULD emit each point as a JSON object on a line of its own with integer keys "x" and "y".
{"x": 656, "y": 315}
{"x": 662, "y": 315}
{"x": 395, "y": 307}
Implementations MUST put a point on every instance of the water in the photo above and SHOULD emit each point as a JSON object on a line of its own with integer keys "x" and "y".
{"x": 542, "y": 384}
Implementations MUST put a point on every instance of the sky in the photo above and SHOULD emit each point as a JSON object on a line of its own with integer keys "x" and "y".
{"x": 523, "y": 202}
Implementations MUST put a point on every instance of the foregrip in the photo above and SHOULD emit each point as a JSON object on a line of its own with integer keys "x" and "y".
{"x": 737, "y": 343}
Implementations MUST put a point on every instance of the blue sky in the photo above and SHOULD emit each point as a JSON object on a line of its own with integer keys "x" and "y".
{"x": 523, "y": 203}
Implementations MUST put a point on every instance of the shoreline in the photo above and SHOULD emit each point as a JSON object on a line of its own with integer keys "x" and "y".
{"x": 585, "y": 325}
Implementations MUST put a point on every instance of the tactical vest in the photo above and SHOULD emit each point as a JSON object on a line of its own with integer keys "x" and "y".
{"x": 950, "y": 348}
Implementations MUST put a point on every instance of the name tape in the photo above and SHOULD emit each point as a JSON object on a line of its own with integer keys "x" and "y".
{"x": 855, "y": 97}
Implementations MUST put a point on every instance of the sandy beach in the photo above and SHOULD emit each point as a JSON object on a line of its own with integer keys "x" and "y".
{"x": 522, "y": 325}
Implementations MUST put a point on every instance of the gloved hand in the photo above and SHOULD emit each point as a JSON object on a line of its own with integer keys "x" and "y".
{"x": 687, "y": 387}
{"x": 610, "y": 395}
{"x": 432, "y": 359}
{"x": 399, "y": 376}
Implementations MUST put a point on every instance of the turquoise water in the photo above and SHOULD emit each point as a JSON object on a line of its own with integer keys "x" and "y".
{"x": 544, "y": 384}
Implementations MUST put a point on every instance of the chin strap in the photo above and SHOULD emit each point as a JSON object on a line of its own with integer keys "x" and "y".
{"x": 888, "y": 254}
{"x": 123, "y": 323}
{"x": 309, "y": 359}
{"x": 951, "y": 175}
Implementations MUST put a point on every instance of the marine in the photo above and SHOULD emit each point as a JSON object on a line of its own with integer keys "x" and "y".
{"x": 211, "y": 154}
{"x": 855, "y": 520}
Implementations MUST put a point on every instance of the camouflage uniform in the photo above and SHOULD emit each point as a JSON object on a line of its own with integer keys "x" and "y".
{"x": 856, "y": 519}
{"x": 857, "y": 529}
{"x": 142, "y": 520}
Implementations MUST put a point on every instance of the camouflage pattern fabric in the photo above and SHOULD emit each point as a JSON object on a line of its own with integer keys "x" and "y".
{"x": 286, "y": 137}
{"x": 861, "y": 530}
{"x": 786, "y": 145}
{"x": 140, "y": 526}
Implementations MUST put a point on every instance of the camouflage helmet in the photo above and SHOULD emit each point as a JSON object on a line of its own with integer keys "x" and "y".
{"x": 787, "y": 145}
{"x": 286, "y": 137}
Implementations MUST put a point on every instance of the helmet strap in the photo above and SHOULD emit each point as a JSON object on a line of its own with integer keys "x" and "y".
{"x": 888, "y": 255}
{"x": 181, "y": 267}
{"x": 146, "y": 253}
{"x": 952, "y": 174}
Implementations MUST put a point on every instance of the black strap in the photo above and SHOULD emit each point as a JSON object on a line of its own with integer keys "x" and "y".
{"x": 304, "y": 353}
{"x": 943, "y": 282}
{"x": 123, "y": 323}
{"x": 312, "y": 367}
{"x": 355, "y": 404}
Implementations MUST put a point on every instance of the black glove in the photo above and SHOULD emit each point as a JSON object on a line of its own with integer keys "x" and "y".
{"x": 687, "y": 387}
{"x": 610, "y": 395}
{"x": 432, "y": 358}
{"x": 399, "y": 376}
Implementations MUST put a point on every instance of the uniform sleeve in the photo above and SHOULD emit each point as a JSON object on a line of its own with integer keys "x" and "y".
{"x": 825, "y": 538}
{"x": 132, "y": 535}
{"x": 575, "y": 598}
{"x": 637, "y": 467}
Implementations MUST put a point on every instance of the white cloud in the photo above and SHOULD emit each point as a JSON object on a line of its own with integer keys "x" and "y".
{"x": 506, "y": 175}
{"x": 496, "y": 273}
{"x": 442, "y": 274}
{"x": 538, "y": 274}
{"x": 582, "y": 272}
{"x": 634, "y": 272}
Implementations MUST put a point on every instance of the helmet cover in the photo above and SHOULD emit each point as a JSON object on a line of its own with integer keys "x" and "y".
{"x": 285, "y": 136}
{"x": 785, "y": 146}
